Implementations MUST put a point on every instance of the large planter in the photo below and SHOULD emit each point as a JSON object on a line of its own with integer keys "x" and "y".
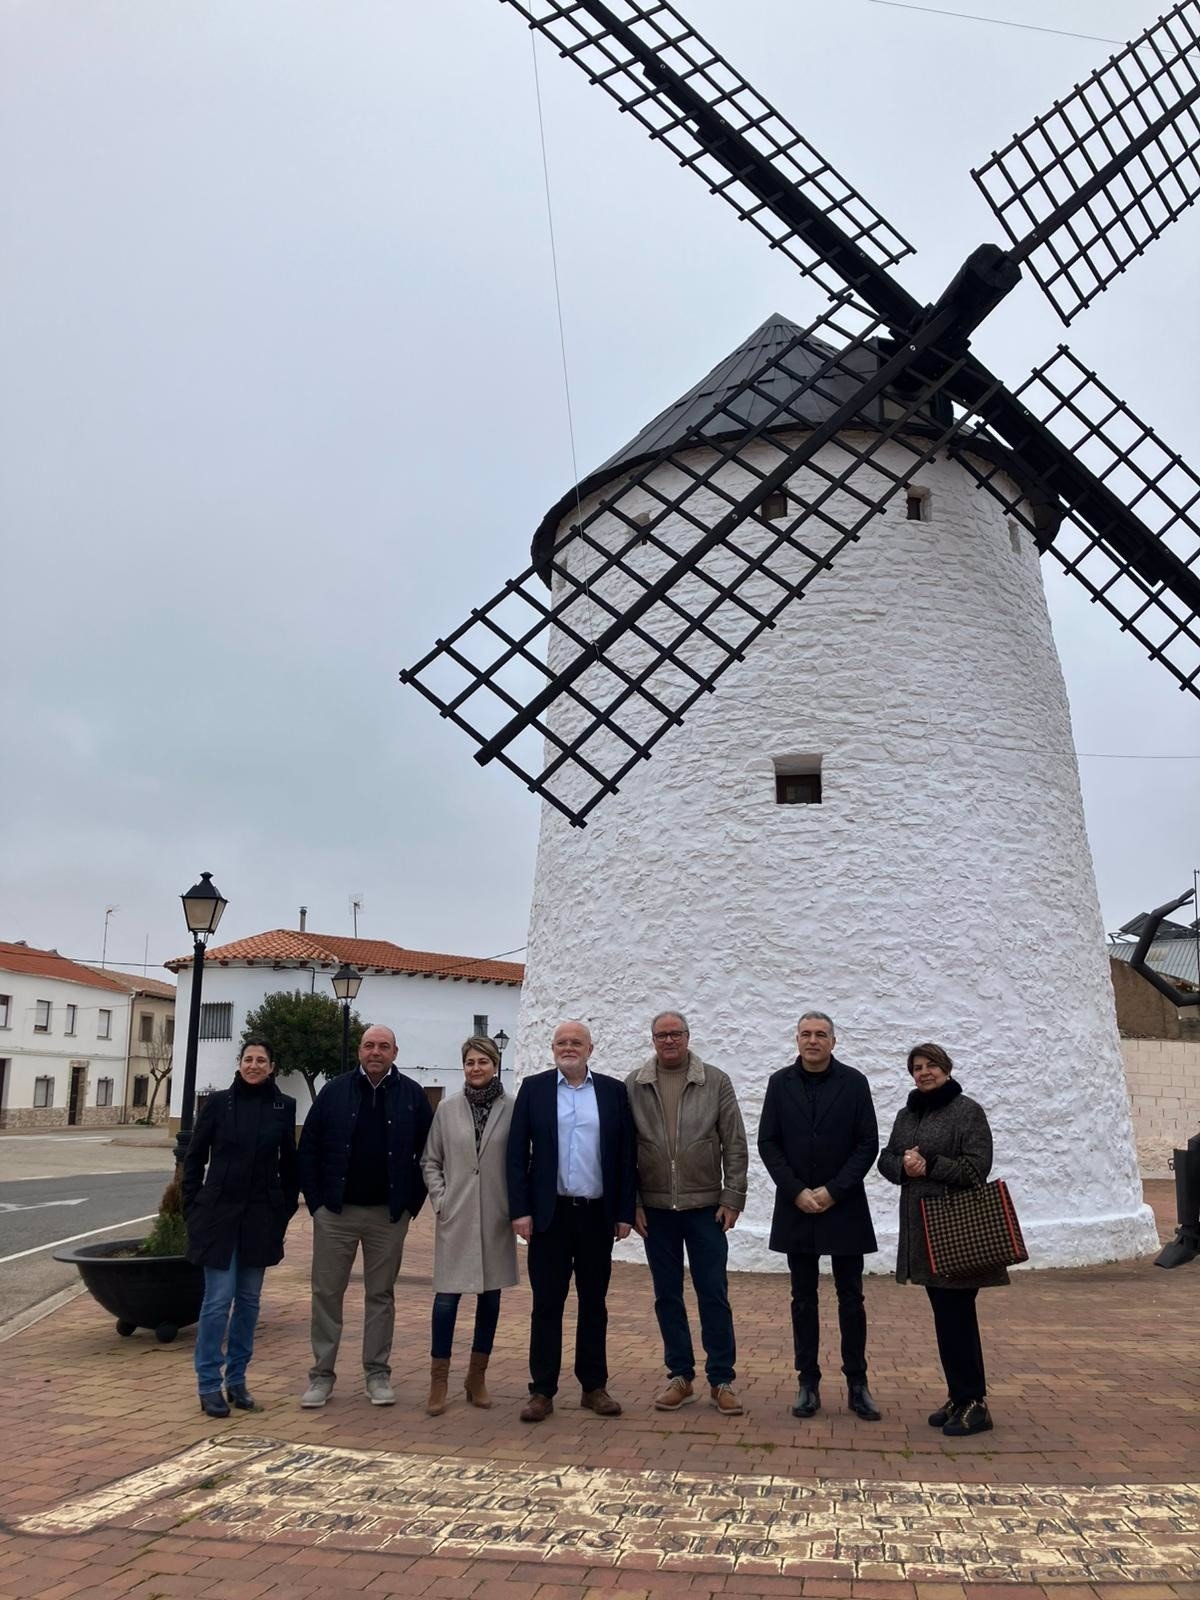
{"x": 162, "y": 1293}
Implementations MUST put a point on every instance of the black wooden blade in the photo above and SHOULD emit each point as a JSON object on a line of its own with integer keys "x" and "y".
{"x": 1145, "y": 483}
{"x": 689, "y": 98}
{"x": 671, "y": 574}
{"x": 1103, "y": 173}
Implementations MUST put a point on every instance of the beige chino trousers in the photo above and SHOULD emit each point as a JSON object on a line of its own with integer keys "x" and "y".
{"x": 337, "y": 1236}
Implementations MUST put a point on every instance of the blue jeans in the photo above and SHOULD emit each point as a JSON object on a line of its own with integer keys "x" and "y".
{"x": 445, "y": 1315}
{"x": 668, "y": 1234}
{"x": 239, "y": 1288}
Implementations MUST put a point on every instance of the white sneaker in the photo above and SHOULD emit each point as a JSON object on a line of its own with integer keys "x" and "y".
{"x": 317, "y": 1393}
{"x": 379, "y": 1390}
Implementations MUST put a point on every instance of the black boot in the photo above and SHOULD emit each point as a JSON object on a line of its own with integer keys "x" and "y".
{"x": 940, "y": 1417}
{"x": 213, "y": 1404}
{"x": 808, "y": 1400}
{"x": 238, "y": 1395}
{"x": 858, "y": 1398}
{"x": 974, "y": 1417}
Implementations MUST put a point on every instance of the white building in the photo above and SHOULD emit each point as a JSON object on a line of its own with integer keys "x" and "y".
{"x": 64, "y": 1041}
{"x": 432, "y": 1002}
{"x": 877, "y": 814}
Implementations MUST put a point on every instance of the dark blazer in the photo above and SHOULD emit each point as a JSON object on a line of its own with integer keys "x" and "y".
{"x": 533, "y": 1150}
{"x": 240, "y": 1180}
{"x": 328, "y": 1134}
{"x": 829, "y": 1139}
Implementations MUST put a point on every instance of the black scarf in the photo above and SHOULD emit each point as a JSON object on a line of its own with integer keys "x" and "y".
{"x": 923, "y": 1100}
{"x": 481, "y": 1101}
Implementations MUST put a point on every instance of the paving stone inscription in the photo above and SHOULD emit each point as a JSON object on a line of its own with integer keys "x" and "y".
{"x": 260, "y": 1490}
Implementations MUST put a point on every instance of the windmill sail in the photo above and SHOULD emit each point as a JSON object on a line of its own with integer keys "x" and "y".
{"x": 665, "y": 579}
{"x": 1085, "y": 189}
{"x": 624, "y": 45}
{"x": 1138, "y": 477}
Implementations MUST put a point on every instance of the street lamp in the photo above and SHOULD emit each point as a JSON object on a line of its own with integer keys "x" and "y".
{"x": 500, "y": 1040}
{"x": 202, "y": 908}
{"x": 347, "y": 981}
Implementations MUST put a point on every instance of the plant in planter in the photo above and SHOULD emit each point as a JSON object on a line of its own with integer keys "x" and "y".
{"x": 145, "y": 1283}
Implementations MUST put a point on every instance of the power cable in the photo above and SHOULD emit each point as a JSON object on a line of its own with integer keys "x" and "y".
{"x": 1000, "y": 22}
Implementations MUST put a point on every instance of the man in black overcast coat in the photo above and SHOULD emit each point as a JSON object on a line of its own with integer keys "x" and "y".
{"x": 818, "y": 1139}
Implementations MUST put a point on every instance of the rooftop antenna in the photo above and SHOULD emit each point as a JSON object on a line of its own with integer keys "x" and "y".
{"x": 108, "y": 911}
{"x": 356, "y": 905}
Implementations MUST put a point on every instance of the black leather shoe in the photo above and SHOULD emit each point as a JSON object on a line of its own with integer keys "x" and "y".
{"x": 808, "y": 1400}
{"x": 943, "y": 1414}
{"x": 213, "y": 1404}
{"x": 858, "y": 1398}
{"x": 974, "y": 1417}
{"x": 238, "y": 1395}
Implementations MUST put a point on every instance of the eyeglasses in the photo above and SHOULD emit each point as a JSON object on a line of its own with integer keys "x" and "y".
{"x": 670, "y": 1033}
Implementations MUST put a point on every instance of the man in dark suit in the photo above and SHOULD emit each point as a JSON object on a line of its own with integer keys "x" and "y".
{"x": 571, "y": 1192}
{"x": 818, "y": 1139}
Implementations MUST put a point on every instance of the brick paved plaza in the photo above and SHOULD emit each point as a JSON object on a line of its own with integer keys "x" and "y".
{"x": 114, "y": 1484}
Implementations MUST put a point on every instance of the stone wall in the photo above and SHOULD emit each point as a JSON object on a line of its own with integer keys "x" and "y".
{"x": 1143, "y": 1013}
{"x": 21, "y": 1117}
{"x": 1163, "y": 1076}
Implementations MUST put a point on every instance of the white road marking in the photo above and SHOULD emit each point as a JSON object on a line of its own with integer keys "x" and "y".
{"x": 54, "y": 1244}
{"x": 57, "y": 1138}
{"x": 48, "y": 1177}
{"x": 40, "y": 1205}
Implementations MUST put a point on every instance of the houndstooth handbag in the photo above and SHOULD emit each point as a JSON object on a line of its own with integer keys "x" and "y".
{"x": 971, "y": 1231}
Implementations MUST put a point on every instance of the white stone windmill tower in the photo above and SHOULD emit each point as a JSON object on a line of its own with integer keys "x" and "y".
{"x": 868, "y": 802}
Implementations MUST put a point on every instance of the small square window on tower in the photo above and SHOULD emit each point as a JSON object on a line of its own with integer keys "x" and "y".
{"x": 775, "y": 507}
{"x": 917, "y": 505}
{"x": 797, "y": 780}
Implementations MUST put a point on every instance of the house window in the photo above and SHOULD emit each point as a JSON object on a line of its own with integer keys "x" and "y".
{"x": 146, "y": 1027}
{"x": 141, "y": 1090}
{"x": 775, "y": 507}
{"x": 43, "y": 1093}
{"x": 481, "y": 1027}
{"x": 797, "y": 780}
{"x": 104, "y": 1024}
{"x": 916, "y": 505}
{"x": 41, "y": 1017}
{"x": 216, "y": 1020}
{"x": 72, "y": 1012}
{"x": 5, "y": 1010}
{"x": 104, "y": 1089}
{"x": 170, "y": 1027}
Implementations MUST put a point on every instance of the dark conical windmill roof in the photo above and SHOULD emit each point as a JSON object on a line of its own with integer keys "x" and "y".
{"x": 775, "y": 385}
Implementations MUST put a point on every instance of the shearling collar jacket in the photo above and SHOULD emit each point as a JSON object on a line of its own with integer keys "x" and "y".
{"x": 711, "y": 1159}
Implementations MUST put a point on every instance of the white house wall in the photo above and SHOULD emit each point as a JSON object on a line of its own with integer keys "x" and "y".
{"x": 430, "y": 1017}
{"x": 943, "y": 889}
{"x": 31, "y": 1055}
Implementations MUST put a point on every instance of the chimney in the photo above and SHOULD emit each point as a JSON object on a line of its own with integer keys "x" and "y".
{"x": 303, "y": 917}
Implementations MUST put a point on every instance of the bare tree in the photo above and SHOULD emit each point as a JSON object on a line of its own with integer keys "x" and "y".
{"x": 158, "y": 1052}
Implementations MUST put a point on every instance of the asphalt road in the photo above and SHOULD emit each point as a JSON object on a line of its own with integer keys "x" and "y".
{"x": 40, "y": 1208}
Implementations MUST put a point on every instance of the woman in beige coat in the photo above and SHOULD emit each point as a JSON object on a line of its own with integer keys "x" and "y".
{"x": 475, "y": 1251}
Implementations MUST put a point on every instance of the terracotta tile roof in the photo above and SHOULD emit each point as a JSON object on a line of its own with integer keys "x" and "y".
{"x": 137, "y": 982}
{"x": 377, "y": 955}
{"x": 49, "y": 964}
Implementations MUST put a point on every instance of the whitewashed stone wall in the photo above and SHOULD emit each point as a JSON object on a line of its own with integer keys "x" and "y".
{"x": 943, "y": 889}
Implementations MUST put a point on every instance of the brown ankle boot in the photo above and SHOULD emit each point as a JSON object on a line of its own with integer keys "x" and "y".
{"x": 439, "y": 1375}
{"x": 475, "y": 1386}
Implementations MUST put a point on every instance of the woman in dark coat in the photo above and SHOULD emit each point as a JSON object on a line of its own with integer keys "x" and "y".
{"x": 941, "y": 1141}
{"x": 237, "y": 1212}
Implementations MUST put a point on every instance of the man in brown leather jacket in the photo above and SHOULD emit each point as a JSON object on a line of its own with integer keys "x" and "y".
{"x": 692, "y": 1162}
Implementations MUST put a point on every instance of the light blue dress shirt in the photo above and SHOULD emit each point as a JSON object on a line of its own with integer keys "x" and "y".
{"x": 579, "y": 1171}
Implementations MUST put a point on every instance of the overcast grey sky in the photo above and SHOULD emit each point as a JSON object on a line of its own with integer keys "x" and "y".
{"x": 281, "y": 399}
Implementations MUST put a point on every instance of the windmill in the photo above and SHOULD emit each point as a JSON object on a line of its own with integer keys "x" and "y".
{"x": 869, "y": 802}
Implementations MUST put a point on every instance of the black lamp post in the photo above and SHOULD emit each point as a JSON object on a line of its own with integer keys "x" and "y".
{"x": 500, "y": 1040}
{"x": 202, "y": 908}
{"x": 347, "y": 981}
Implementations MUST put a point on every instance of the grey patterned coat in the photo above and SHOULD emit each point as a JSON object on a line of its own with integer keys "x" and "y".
{"x": 953, "y": 1136}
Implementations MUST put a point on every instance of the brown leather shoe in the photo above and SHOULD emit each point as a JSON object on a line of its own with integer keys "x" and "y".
{"x": 726, "y": 1402}
{"x": 537, "y": 1408}
{"x": 601, "y": 1402}
{"x": 679, "y": 1392}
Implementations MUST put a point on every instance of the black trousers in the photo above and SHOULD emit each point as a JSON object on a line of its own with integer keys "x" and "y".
{"x": 806, "y": 1321}
{"x": 956, "y": 1323}
{"x": 578, "y": 1243}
